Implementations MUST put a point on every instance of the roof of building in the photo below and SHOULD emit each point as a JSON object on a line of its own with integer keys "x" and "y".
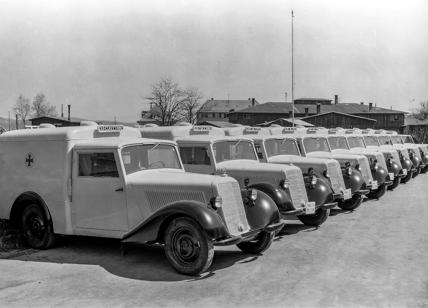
{"x": 413, "y": 121}
{"x": 297, "y": 122}
{"x": 340, "y": 113}
{"x": 217, "y": 123}
{"x": 215, "y": 105}
{"x": 282, "y": 107}
{"x": 313, "y": 99}
{"x": 52, "y": 118}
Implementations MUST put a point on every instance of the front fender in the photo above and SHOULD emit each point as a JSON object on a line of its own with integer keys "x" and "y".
{"x": 406, "y": 163}
{"x": 379, "y": 174}
{"x": 394, "y": 168}
{"x": 151, "y": 230}
{"x": 320, "y": 193}
{"x": 278, "y": 195}
{"x": 354, "y": 181}
{"x": 416, "y": 161}
{"x": 261, "y": 212}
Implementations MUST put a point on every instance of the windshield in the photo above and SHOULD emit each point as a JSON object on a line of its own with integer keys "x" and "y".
{"x": 313, "y": 144}
{"x": 281, "y": 147}
{"x": 371, "y": 140}
{"x": 396, "y": 139}
{"x": 407, "y": 139}
{"x": 149, "y": 156}
{"x": 231, "y": 150}
{"x": 384, "y": 140}
{"x": 337, "y": 142}
{"x": 356, "y": 142}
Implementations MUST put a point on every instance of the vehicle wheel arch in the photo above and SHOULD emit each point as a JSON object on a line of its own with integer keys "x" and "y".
{"x": 24, "y": 200}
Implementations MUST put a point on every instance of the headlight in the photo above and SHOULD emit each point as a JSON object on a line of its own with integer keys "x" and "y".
{"x": 314, "y": 180}
{"x": 284, "y": 184}
{"x": 252, "y": 194}
{"x": 216, "y": 202}
{"x": 349, "y": 171}
{"x": 326, "y": 174}
{"x": 357, "y": 166}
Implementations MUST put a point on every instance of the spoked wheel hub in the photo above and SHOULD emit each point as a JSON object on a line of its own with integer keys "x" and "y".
{"x": 186, "y": 247}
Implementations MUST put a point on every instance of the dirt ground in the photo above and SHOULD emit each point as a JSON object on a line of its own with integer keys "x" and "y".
{"x": 374, "y": 256}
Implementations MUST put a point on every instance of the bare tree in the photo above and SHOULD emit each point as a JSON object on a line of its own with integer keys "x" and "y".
{"x": 167, "y": 101}
{"x": 41, "y": 107}
{"x": 421, "y": 112}
{"x": 191, "y": 103}
{"x": 22, "y": 108}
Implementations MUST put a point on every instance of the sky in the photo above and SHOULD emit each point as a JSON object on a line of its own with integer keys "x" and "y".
{"x": 103, "y": 56}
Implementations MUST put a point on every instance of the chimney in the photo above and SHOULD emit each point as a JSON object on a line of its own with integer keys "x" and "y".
{"x": 318, "y": 108}
{"x": 336, "y": 99}
{"x": 69, "y": 106}
{"x": 62, "y": 110}
{"x": 362, "y": 103}
{"x": 253, "y": 102}
{"x": 370, "y": 106}
{"x": 286, "y": 94}
{"x": 306, "y": 111}
{"x": 212, "y": 98}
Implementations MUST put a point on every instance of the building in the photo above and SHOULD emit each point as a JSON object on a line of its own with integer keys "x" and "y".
{"x": 305, "y": 107}
{"x": 287, "y": 122}
{"x": 338, "y": 119}
{"x": 56, "y": 121}
{"x": 417, "y": 127}
{"x": 148, "y": 117}
{"x": 218, "y": 110}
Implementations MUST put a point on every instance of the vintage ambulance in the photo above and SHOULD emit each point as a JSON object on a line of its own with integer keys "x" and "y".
{"x": 107, "y": 181}
{"x": 270, "y": 149}
{"x": 372, "y": 142}
{"x": 338, "y": 144}
{"x": 205, "y": 149}
{"x": 389, "y": 159}
{"x": 315, "y": 145}
{"x": 423, "y": 149}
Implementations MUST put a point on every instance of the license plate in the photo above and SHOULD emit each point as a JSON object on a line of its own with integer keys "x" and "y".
{"x": 310, "y": 208}
{"x": 404, "y": 172}
{"x": 374, "y": 185}
{"x": 347, "y": 194}
{"x": 391, "y": 176}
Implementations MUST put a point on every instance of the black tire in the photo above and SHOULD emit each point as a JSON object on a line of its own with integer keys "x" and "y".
{"x": 415, "y": 174}
{"x": 395, "y": 183}
{"x": 378, "y": 193}
{"x": 259, "y": 244}
{"x": 316, "y": 219}
{"x": 406, "y": 178}
{"x": 187, "y": 247}
{"x": 424, "y": 169}
{"x": 37, "y": 229}
{"x": 351, "y": 204}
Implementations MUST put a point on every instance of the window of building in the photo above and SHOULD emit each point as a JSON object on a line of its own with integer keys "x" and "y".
{"x": 396, "y": 117}
{"x": 247, "y": 116}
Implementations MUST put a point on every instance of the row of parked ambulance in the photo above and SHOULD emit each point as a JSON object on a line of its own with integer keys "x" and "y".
{"x": 192, "y": 187}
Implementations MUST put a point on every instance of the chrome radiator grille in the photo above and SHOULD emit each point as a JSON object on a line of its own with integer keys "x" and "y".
{"x": 336, "y": 177}
{"x": 297, "y": 187}
{"x": 381, "y": 161}
{"x": 159, "y": 198}
{"x": 396, "y": 158}
{"x": 365, "y": 169}
{"x": 233, "y": 208}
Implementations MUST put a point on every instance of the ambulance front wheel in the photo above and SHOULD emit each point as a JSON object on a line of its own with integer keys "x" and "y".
{"x": 351, "y": 204}
{"x": 187, "y": 247}
{"x": 261, "y": 243}
{"x": 37, "y": 229}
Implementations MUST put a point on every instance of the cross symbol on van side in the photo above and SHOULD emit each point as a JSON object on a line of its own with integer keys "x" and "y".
{"x": 29, "y": 160}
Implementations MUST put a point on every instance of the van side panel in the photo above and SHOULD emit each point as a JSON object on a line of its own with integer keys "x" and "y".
{"x": 42, "y": 167}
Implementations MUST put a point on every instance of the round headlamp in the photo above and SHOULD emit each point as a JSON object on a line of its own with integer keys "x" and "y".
{"x": 252, "y": 194}
{"x": 314, "y": 180}
{"x": 284, "y": 184}
{"x": 349, "y": 170}
{"x": 216, "y": 202}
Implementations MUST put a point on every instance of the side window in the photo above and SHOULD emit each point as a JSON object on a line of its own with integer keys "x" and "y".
{"x": 195, "y": 156}
{"x": 97, "y": 165}
{"x": 258, "y": 151}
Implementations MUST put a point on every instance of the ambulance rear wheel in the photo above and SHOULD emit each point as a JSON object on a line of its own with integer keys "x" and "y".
{"x": 37, "y": 229}
{"x": 187, "y": 247}
{"x": 351, "y": 204}
{"x": 316, "y": 219}
{"x": 261, "y": 243}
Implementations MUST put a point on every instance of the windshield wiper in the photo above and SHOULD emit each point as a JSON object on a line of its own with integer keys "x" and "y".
{"x": 155, "y": 146}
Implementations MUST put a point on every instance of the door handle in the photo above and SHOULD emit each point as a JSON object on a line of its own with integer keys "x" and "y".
{"x": 119, "y": 189}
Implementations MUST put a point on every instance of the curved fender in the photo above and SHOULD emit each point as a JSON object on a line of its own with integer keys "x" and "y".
{"x": 354, "y": 181}
{"x": 261, "y": 212}
{"x": 379, "y": 174}
{"x": 320, "y": 193}
{"x": 394, "y": 168}
{"x": 149, "y": 230}
{"x": 425, "y": 158}
{"x": 279, "y": 196}
{"x": 407, "y": 163}
{"x": 416, "y": 161}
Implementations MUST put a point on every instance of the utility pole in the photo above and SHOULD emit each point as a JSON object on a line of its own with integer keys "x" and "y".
{"x": 292, "y": 65}
{"x": 9, "y": 120}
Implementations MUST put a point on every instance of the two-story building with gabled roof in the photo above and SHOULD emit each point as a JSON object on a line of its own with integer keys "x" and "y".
{"x": 218, "y": 110}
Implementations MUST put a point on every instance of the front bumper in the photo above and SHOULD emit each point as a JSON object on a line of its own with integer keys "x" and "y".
{"x": 233, "y": 240}
{"x": 327, "y": 206}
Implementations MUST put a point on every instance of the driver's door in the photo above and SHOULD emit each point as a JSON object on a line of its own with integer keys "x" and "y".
{"x": 98, "y": 196}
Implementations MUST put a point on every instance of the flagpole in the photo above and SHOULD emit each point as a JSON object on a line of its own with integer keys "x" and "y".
{"x": 292, "y": 65}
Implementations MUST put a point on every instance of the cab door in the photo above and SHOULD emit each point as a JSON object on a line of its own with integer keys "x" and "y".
{"x": 98, "y": 196}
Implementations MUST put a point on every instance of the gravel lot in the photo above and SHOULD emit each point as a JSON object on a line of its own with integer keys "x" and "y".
{"x": 375, "y": 256}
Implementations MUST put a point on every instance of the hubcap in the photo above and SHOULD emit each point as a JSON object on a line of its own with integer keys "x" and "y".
{"x": 35, "y": 227}
{"x": 185, "y": 246}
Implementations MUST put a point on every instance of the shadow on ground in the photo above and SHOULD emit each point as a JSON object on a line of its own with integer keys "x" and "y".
{"x": 141, "y": 262}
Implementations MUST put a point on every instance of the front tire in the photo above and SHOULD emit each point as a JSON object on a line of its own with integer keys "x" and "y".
{"x": 378, "y": 193}
{"x": 316, "y": 219}
{"x": 395, "y": 183}
{"x": 37, "y": 229}
{"x": 406, "y": 178}
{"x": 418, "y": 171}
{"x": 261, "y": 243}
{"x": 187, "y": 247}
{"x": 351, "y": 204}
